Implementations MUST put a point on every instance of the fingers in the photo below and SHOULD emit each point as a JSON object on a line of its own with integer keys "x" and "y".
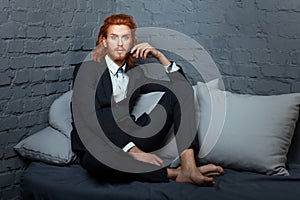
{"x": 144, "y": 50}
{"x": 148, "y": 158}
{"x": 158, "y": 160}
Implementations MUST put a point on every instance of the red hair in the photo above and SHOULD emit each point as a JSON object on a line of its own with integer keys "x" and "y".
{"x": 117, "y": 19}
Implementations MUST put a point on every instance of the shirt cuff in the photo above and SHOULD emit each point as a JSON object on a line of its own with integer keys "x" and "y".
{"x": 128, "y": 146}
{"x": 172, "y": 67}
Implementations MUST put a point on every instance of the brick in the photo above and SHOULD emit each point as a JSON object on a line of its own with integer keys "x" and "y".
{"x": 278, "y": 57}
{"x": 21, "y": 62}
{"x": 105, "y": 6}
{"x": 296, "y": 86}
{"x": 32, "y": 46}
{"x": 3, "y": 16}
{"x": 27, "y": 120}
{"x": 293, "y": 72}
{"x": 82, "y": 5}
{"x": 4, "y": 64}
{"x": 54, "y": 32}
{"x": 56, "y": 87}
{"x": 246, "y": 70}
{"x": 22, "y": 5}
{"x": 268, "y": 87}
{"x": 91, "y": 17}
{"x": 19, "y": 16}
{"x": 52, "y": 75}
{"x": 3, "y": 48}
{"x": 37, "y": 75}
{"x": 4, "y": 3}
{"x": 89, "y": 44}
{"x": 5, "y": 78}
{"x": 9, "y": 152}
{"x": 1, "y": 153}
{"x": 67, "y": 17}
{"x": 36, "y": 18}
{"x": 22, "y": 76}
{"x": 239, "y": 56}
{"x": 239, "y": 84}
{"x": 32, "y": 104}
{"x": 277, "y": 43}
{"x": 48, "y": 100}
{"x": 6, "y": 179}
{"x": 290, "y": 30}
{"x": 38, "y": 89}
{"x": 16, "y": 135}
{"x": 295, "y": 57}
{"x": 75, "y": 57}
{"x": 260, "y": 56}
{"x": 79, "y": 19}
{"x": 268, "y": 5}
{"x": 289, "y": 5}
{"x": 19, "y": 92}
{"x": 8, "y": 123}
{"x": 49, "y": 60}
{"x": 5, "y": 93}
{"x": 247, "y": 43}
{"x": 53, "y": 18}
{"x": 62, "y": 45}
{"x": 3, "y": 107}
{"x": 15, "y": 106}
{"x": 12, "y": 30}
{"x": 35, "y": 32}
{"x": 11, "y": 164}
{"x": 66, "y": 74}
{"x": 16, "y": 46}
{"x": 47, "y": 46}
{"x": 34, "y": 129}
{"x": 273, "y": 71}
{"x": 43, "y": 117}
{"x": 70, "y": 5}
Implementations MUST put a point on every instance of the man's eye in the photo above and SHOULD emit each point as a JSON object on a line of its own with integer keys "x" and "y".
{"x": 126, "y": 37}
{"x": 113, "y": 37}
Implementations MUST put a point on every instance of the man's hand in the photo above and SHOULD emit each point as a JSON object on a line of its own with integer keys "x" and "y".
{"x": 145, "y": 50}
{"x": 139, "y": 155}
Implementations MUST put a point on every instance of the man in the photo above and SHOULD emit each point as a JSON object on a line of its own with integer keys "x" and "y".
{"x": 116, "y": 50}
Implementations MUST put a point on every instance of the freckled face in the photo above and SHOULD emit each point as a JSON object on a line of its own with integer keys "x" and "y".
{"x": 119, "y": 41}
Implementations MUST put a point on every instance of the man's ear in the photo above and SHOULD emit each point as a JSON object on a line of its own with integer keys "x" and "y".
{"x": 104, "y": 42}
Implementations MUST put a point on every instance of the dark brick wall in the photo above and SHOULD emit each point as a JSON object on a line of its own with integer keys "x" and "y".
{"x": 40, "y": 39}
{"x": 255, "y": 43}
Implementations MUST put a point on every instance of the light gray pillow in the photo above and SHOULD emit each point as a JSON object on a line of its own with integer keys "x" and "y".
{"x": 47, "y": 145}
{"x": 60, "y": 116}
{"x": 255, "y": 134}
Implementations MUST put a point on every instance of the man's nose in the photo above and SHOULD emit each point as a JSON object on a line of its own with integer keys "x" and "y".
{"x": 120, "y": 42}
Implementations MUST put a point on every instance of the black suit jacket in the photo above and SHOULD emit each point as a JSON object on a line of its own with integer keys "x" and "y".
{"x": 103, "y": 105}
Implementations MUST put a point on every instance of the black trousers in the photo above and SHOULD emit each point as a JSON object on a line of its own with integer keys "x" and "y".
{"x": 104, "y": 172}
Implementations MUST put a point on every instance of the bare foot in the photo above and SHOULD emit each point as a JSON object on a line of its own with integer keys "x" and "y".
{"x": 211, "y": 170}
{"x": 194, "y": 176}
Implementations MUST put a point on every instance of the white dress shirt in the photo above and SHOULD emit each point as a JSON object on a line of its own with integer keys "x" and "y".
{"x": 120, "y": 82}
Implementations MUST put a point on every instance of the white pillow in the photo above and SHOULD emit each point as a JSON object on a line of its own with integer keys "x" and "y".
{"x": 60, "y": 116}
{"x": 47, "y": 145}
{"x": 257, "y": 130}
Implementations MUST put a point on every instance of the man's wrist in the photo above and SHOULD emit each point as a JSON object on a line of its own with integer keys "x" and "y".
{"x": 135, "y": 149}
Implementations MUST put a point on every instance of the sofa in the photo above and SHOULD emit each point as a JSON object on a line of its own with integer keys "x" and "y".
{"x": 258, "y": 145}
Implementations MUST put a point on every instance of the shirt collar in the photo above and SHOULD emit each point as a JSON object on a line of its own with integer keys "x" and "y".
{"x": 112, "y": 66}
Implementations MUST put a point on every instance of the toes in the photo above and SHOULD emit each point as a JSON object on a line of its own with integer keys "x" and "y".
{"x": 210, "y": 168}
